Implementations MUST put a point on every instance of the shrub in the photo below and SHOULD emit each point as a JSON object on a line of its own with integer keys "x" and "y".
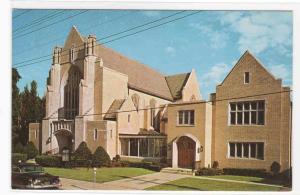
{"x": 82, "y": 152}
{"x": 275, "y": 168}
{"x": 18, "y": 148}
{"x": 101, "y": 158}
{"x": 118, "y": 158}
{"x": 209, "y": 171}
{"x": 48, "y": 160}
{"x": 31, "y": 150}
{"x": 215, "y": 165}
{"x": 245, "y": 172}
{"x": 16, "y": 157}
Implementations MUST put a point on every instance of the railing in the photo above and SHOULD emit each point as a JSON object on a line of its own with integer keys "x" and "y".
{"x": 63, "y": 125}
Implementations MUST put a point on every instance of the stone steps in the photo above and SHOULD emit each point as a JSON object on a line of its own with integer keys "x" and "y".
{"x": 178, "y": 171}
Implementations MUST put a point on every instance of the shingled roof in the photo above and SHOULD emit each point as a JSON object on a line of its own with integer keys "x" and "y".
{"x": 176, "y": 84}
{"x": 140, "y": 76}
{"x": 114, "y": 107}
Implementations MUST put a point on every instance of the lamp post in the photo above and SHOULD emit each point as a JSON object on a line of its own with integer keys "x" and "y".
{"x": 95, "y": 174}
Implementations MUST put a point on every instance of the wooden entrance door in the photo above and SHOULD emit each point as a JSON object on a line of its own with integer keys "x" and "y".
{"x": 186, "y": 152}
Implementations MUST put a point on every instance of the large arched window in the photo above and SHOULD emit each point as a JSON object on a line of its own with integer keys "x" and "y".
{"x": 71, "y": 93}
{"x": 136, "y": 100}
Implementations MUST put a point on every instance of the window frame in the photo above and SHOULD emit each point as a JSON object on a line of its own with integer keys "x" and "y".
{"x": 246, "y": 75}
{"x": 249, "y": 145}
{"x": 250, "y": 110}
{"x": 95, "y": 134}
{"x": 183, "y": 119}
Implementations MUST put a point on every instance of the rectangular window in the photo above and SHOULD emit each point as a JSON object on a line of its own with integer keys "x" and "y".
{"x": 246, "y": 150}
{"x": 95, "y": 134}
{"x": 246, "y": 113}
{"x": 246, "y": 77}
{"x": 239, "y": 150}
{"x": 128, "y": 118}
{"x": 186, "y": 117}
{"x": 231, "y": 149}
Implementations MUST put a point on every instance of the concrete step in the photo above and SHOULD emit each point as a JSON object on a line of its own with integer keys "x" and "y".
{"x": 178, "y": 171}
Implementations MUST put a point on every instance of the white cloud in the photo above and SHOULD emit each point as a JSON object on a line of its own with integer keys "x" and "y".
{"x": 151, "y": 13}
{"x": 280, "y": 71}
{"x": 259, "y": 31}
{"x": 170, "y": 50}
{"x": 215, "y": 75}
{"x": 217, "y": 38}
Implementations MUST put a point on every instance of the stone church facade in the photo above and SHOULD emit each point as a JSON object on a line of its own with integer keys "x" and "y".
{"x": 101, "y": 97}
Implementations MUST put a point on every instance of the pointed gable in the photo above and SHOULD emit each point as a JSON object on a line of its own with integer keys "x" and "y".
{"x": 176, "y": 84}
{"x": 74, "y": 37}
{"x": 248, "y": 63}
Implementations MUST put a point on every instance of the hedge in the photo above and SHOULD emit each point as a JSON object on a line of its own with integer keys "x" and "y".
{"x": 209, "y": 171}
{"x": 101, "y": 158}
{"x": 48, "y": 161}
{"x": 16, "y": 157}
{"x": 31, "y": 150}
{"x": 246, "y": 172}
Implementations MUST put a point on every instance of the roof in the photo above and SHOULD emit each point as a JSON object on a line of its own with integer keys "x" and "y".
{"x": 114, "y": 107}
{"x": 140, "y": 76}
{"x": 176, "y": 84}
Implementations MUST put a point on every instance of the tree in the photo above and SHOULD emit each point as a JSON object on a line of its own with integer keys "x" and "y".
{"x": 100, "y": 157}
{"x": 15, "y": 106}
{"x": 31, "y": 150}
{"x": 83, "y": 152}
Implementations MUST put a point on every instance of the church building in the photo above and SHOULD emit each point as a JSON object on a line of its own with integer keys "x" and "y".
{"x": 98, "y": 96}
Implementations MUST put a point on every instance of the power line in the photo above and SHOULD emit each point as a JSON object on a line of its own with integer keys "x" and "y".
{"x": 26, "y": 11}
{"x": 174, "y": 104}
{"x": 62, "y": 37}
{"x": 105, "y": 37}
{"x": 72, "y": 16}
{"x": 104, "y": 42}
{"x": 38, "y": 21}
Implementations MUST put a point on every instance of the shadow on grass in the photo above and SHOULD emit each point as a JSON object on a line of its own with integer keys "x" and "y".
{"x": 183, "y": 187}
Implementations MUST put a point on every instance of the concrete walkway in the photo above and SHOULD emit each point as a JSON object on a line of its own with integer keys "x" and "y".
{"x": 235, "y": 181}
{"x": 134, "y": 183}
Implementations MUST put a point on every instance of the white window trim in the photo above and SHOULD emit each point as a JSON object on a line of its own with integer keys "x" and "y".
{"x": 183, "y": 118}
{"x": 245, "y": 78}
{"x": 250, "y": 110}
{"x": 249, "y": 150}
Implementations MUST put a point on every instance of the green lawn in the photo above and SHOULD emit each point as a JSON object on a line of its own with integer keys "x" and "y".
{"x": 238, "y": 178}
{"x": 103, "y": 174}
{"x": 209, "y": 185}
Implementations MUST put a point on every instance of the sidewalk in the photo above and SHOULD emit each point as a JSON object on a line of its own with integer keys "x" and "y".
{"x": 134, "y": 183}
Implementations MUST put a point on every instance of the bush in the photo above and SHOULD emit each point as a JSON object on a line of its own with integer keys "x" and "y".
{"x": 16, "y": 157}
{"x": 209, "y": 171}
{"x": 18, "y": 148}
{"x": 101, "y": 158}
{"x": 82, "y": 153}
{"x": 31, "y": 150}
{"x": 215, "y": 165}
{"x": 246, "y": 172}
{"x": 118, "y": 158}
{"x": 48, "y": 161}
{"x": 275, "y": 168}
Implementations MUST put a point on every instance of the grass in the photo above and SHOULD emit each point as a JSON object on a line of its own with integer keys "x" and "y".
{"x": 103, "y": 174}
{"x": 209, "y": 185}
{"x": 238, "y": 178}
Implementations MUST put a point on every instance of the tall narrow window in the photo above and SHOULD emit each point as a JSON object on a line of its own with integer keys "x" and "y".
{"x": 246, "y": 77}
{"x": 95, "y": 134}
{"x": 128, "y": 118}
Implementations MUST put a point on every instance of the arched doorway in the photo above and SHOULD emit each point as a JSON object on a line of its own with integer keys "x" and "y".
{"x": 186, "y": 152}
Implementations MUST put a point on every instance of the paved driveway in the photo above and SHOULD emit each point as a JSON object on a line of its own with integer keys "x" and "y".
{"x": 134, "y": 183}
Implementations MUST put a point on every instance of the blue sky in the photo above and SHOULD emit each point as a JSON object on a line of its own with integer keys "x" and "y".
{"x": 209, "y": 41}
